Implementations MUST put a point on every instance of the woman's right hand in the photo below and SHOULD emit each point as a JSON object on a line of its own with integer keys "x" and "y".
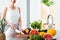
{"x": 12, "y": 26}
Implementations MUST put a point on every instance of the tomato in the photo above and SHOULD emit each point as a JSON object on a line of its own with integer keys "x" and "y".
{"x": 34, "y": 32}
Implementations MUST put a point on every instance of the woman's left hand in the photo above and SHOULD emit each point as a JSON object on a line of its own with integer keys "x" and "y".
{"x": 20, "y": 28}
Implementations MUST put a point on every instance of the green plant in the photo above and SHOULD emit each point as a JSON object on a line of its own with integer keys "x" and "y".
{"x": 47, "y": 2}
{"x": 36, "y": 24}
{"x": 2, "y": 25}
{"x": 24, "y": 38}
{"x": 36, "y": 37}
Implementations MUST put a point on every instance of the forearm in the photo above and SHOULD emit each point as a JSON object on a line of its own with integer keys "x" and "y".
{"x": 19, "y": 20}
{"x": 4, "y": 13}
{"x": 20, "y": 23}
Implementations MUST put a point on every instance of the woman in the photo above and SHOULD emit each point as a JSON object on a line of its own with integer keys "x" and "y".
{"x": 13, "y": 18}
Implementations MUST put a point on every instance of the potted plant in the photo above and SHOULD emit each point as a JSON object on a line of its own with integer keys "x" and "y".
{"x": 2, "y": 26}
{"x": 48, "y": 11}
{"x": 47, "y": 7}
{"x": 47, "y": 2}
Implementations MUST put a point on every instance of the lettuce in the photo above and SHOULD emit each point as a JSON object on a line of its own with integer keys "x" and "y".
{"x": 36, "y": 37}
{"x": 36, "y": 24}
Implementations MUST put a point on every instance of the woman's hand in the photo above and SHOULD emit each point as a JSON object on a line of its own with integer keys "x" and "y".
{"x": 20, "y": 28}
{"x": 12, "y": 26}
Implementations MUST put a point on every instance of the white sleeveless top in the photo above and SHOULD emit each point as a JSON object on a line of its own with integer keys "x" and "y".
{"x": 12, "y": 15}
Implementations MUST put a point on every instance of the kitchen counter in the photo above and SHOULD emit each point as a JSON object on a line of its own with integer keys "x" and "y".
{"x": 20, "y": 36}
{"x": 24, "y": 36}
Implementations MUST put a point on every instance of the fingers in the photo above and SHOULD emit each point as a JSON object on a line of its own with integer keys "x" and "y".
{"x": 20, "y": 29}
{"x": 12, "y": 26}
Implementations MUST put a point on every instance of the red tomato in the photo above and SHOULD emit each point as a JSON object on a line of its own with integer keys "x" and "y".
{"x": 48, "y": 36}
{"x": 34, "y": 32}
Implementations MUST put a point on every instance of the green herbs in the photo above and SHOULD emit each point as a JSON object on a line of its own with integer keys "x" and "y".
{"x": 24, "y": 38}
{"x": 36, "y": 37}
{"x": 2, "y": 25}
{"x": 36, "y": 24}
{"x": 47, "y": 2}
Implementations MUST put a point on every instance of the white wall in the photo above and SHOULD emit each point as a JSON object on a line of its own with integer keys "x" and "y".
{"x": 34, "y": 10}
{"x": 23, "y": 5}
{"x": 57, "y": 14}
{"x": 2, "y": 4}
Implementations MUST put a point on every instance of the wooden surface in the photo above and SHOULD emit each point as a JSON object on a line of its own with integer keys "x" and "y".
{"x": 20, "y": 35}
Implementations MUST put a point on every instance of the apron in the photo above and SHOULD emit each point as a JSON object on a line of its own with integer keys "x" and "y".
{"x": 8, "y": 31}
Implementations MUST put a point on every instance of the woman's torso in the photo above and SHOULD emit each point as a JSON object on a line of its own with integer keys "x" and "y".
{"x": 12, "y": 15}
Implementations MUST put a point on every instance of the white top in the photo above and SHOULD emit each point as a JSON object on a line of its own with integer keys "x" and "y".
{"x": 12, "y": 15}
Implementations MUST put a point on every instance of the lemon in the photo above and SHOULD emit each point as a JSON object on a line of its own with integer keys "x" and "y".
{"x": 41, "y": 33}
{"x": 51, "y": 31}
{"x": 27, "y": 30}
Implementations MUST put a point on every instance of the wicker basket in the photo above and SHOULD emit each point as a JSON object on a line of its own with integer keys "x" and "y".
{"x": 2, "y": 36}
